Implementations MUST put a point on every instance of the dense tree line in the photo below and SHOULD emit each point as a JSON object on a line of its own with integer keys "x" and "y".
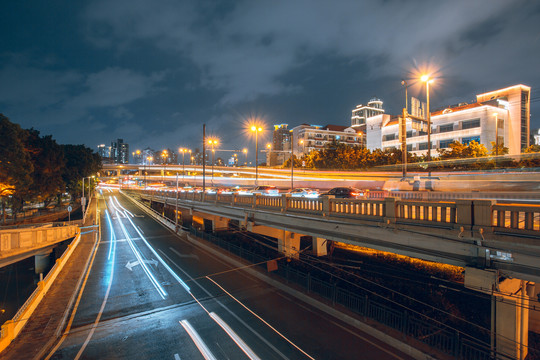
{"x": 36, "y": 168}
{"x": 471, "y": 156}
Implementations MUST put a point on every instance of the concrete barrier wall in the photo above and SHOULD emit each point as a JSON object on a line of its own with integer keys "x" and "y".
{"x": 13, "y": 327}
{"x": 28, "y": 238}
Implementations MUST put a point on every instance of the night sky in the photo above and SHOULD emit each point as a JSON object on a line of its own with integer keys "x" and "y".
{"x": 152, "y": 72}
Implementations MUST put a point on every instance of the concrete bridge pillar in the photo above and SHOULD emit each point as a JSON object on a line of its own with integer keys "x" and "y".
{"x": 186, "y": 218}
{"x": 118, "y": 172}
{"x": 509, "y": 310}
{"x": 289, "y": 244}
{"x": 212, "y": 223}
{"x": 41, "y": 262}
{"x": 319, "y": 246}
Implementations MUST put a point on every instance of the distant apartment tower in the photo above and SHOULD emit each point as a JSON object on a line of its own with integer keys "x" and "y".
{"x": 362, "y": 112}
{"x": 308, "y": 138}
{"x": 281, "y": 139}
{"x": 119, "y": 152}
{"x": 105, "y": 153}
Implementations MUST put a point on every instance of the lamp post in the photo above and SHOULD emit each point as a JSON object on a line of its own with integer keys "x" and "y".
{"x": 212, "y": 143}
{"x": 257, "y": 130}
{"x": 164, "y": 156}
{"x": 428, "y": 80}
{"x": 403, "y": 126}
{"x": 184, "y": 151}
{"x": 148, "y": 159}
{"x": 292, "y": 161}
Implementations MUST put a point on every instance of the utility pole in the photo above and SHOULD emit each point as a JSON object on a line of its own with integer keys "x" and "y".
{"x": 204, "y": 158}
{"x": 403, "y": 136}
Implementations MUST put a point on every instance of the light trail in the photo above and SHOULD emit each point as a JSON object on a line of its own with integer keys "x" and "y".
{"x": 145, "y": 268}
{"x": 206, "y": 353}
{"x": 160, "y": 259}
{"x": 241, "y": 344}
{"x": 261, "y": 319}
{"x": 125, "y": 210}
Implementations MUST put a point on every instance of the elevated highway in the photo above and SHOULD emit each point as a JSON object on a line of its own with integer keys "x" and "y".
{"x": 477, "y": 181}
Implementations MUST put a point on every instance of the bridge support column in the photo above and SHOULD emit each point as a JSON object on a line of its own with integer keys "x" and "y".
{"x": 289, "y": 244}
{"x": 41, "y": 262}
{"x": 186, "y": 218}
{"x": 211, "y": 223}
{"x": 319, "y": 246}
{"x": 509, "y": 310}
{"x": 118, "y": 172}
{"x": 534, "y": 316}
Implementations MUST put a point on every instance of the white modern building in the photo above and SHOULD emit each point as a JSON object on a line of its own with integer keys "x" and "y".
{"x": 307, "y": 138}
{"x": 464, "y": 123}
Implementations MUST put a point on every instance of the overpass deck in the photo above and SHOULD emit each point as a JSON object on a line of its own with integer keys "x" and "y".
{"x": 475, "y": 233}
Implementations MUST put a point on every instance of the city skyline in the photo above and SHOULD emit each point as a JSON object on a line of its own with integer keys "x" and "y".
{"x": 152, "y": 74}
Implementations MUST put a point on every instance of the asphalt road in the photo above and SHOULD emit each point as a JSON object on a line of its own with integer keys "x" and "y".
{"x": 151, "y": 294}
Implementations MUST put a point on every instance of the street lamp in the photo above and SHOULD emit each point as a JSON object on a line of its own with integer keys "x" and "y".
{"x": 496, "y": 133}
{"x": 184, "y": 151}
{"x": 257, "y": 130}
{"x": 428, "y": 80}
{"x": 212, "y": 143}
{"x": 403, "y": 128}
{"x": 164, "y": 156}
{"x": 148, "y": 159}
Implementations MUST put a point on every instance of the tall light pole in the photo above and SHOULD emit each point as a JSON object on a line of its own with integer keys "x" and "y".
{"x": 148, "y": 159}
{"x": 212, "y": 143}
{"x": 428, "y": 80}
{"x": 257, "y": 130}
{"x": 404, "y": 130}
{"x": 164, "y": 156}
{"x": 184, "y": 151}
{"x": 292, "y": 161}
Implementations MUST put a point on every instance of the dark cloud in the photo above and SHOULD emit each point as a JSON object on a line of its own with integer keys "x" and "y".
{"x": 153, "y": 72}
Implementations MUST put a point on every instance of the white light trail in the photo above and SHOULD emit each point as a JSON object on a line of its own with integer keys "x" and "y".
{"x": 177, "y": 278}
{"x": 206, "y": 353}
{"x": 125, "y": 210}
{"x": 153, "y": 280}
{"x": 241, "y": 344}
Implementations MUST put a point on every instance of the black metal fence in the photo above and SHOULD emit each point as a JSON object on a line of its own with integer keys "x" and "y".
{"x": 442, "y": 338}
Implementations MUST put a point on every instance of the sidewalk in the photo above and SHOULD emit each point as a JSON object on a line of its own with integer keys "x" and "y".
{"x": 51, "y": 316}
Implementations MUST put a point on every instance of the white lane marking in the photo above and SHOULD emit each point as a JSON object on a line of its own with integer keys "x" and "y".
{"x": 182, "y": 255}
{"x": 240, "y": 320}
{"x": 94, "y": 325}
{"x": 260, "y": 318}
{"x": 246, "y": 349}
{"x": 147, "y": 271}
{"x": 176, "y": 357}
{"x": 174, "y": 275}
{"x": 197, "y": 340}
{"x": 132, "y": 264}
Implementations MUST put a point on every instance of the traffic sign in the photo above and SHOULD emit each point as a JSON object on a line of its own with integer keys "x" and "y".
{"x": 69, "y": 208}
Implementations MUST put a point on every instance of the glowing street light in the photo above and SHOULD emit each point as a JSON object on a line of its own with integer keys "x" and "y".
{"x": 256, "y": 130}
{"x": 428, "y": 80}
{"x": 184, "y": 151}
{"x": 245, "y": 151}
{"x": 212, "y": 143}
{"x": 148, "y": 160}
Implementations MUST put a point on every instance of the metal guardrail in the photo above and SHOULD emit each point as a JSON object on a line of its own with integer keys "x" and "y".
{"x": 512, "y": 219}
{"x": 423, "y": 329}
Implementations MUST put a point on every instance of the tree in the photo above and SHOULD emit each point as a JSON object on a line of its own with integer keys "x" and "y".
{"x": 48, "y": 159}
{"x": 80, "y": 162}
{"x": 498, "y": 149}
{"x": 15, "y": 164}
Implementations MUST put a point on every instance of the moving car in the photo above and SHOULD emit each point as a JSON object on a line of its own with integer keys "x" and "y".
{"x": 344, "y": 193}
{"x": 265, "y": 190}
{"x": 304, "y": 192}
